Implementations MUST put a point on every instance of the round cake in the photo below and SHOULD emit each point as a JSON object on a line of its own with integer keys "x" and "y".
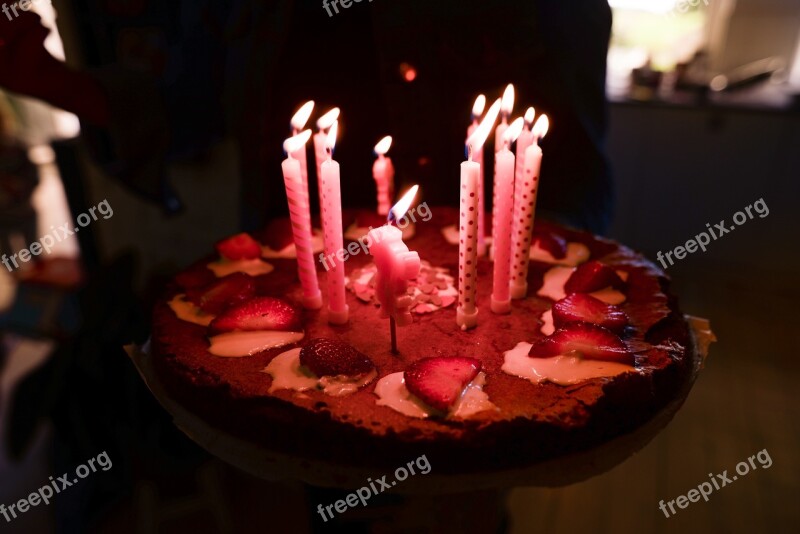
{"x": 594, "y": 351}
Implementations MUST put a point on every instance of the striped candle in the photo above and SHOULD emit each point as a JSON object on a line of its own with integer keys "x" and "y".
{"x": 300, "y": 215}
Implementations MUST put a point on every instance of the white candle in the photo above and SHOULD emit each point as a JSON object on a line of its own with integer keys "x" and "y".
{"x": 331, "y": 203}
{"x": 467, "y": 311}
{"x": 477, "y": 156}
{"x": 383, "y": 173}
{"x": 501, "y": 246}
{"x": 523, "y": 142}
{"x": 524, "y": 211}
{"x": 320, "y": 140}
{"x": 300, "y": 215}
{"x": 298, "y": 122}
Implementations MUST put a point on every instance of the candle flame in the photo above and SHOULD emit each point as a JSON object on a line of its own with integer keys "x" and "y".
{"x": 300, "y": 118}
{"x": 330, "y": 141}
{"x": 530, "y": 113}
{"x": 383, "y": 145}
{"x": 513, "y": 131}
{"x": 327, "y": 120}
{"x": 478, "y": 137}
{"x": 293, "y": 144}
{"x": 399, "y": 210}
{"x": 508, "y": 100}
{"x": 541, "y": 127}
{"x": 479, "y": 106}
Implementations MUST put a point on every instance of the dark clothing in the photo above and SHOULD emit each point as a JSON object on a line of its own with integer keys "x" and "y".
{"x": 248, "y": 64}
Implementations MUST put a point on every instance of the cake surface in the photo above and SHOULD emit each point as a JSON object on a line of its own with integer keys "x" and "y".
{"x": 532, "y": 422}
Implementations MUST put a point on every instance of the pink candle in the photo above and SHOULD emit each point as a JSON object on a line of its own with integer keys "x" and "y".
{"x": 477, "y": 156}
{"x": 300, "y": 214}
{"x": 524, "y": 210}
{"x": 501, "y": 246}
{"x": 506, "y": 108}
{"x": 467, "y": 311}
{"x": 383, "y": 173}
{"x": 320, "y": 139}
{"x": 523, "y": 142}
{"x": 331, "y": 203}
{"x": 396, "y": 265}
{"x": 298, "y": 122}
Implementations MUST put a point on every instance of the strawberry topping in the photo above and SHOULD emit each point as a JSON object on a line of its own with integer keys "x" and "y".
{"x": 592, "y": 276}
{"x": 591, "y": 341}
{"x": 260, "y": 313}
{"x": 440, "y": 381}
{"x": 239, "y": 247}
{"x": 331, "y": 357}
{"x": 554, "y": 244}
{"x": 580, "y": 307}
{"x": 224, "y": 293}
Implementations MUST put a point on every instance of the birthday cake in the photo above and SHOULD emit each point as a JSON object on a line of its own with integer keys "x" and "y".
{"x": 595, "y": 349}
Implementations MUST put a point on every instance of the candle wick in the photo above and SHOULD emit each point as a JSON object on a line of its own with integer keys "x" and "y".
{"x": 469, "y": 151}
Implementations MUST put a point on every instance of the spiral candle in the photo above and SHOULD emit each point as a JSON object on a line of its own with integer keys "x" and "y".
{"x": 300, "y": 215}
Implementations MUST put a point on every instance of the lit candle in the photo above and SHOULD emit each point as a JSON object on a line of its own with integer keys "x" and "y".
{"x": 467, "y": 311}
{"x": 331, "y": 204}
{"x": 506, "y": 108}
{"x": 383, "y": 173}
{"x": 477, "y": 156}
{"x": 298, "y": 122}
{"x": 501, "y": 246}
{"x": 523, "y": 142}
{"x": 300, "y": 215}
{"x": 320, "y": 139}
{"x": 524, "y": 210}
{"x": 396, "y": 266}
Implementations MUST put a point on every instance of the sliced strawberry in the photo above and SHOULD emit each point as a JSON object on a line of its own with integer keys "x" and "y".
{"x": 279, "y": 234}
{"x": 580, "y": 307}
{"x": 592, "y": 341}
{"x": 554, "y": 244}
{"x": 239, "y": 247}
{"x": 592, "y": 276}
{"x": 331, "y": 357}
{"x": 224, "y": 293}
{"x": 260, "y": 313}
{"x": 440, "y": 381}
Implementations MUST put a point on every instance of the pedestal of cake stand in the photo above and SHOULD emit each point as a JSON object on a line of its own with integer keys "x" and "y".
{"x": 271, "y": 465}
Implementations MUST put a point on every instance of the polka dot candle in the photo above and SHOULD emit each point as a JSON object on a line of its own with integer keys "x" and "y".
{"x": 467, "y": 311}
{"x": 525, "y": 191}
